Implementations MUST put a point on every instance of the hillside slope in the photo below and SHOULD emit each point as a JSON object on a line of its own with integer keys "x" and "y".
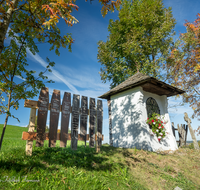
{"x": 113, "y": 168}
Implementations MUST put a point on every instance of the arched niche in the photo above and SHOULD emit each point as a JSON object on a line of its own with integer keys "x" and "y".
{"x": 152, "y": 107}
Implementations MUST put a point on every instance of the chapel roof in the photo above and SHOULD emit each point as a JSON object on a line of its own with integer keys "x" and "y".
{"x": 149, "y": 84}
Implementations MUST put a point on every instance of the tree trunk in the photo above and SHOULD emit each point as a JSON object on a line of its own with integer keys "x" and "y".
{"x": 5, "y": 24}
{"x": 188, "y": 120}
{"x": 6, "y": 121}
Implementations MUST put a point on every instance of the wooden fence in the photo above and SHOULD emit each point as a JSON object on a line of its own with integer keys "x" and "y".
{"x": 95, "y": 113}
{"x": 182, "y": 133}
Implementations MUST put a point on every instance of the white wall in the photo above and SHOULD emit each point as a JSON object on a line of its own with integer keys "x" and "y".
{"x": 129, "y": 128}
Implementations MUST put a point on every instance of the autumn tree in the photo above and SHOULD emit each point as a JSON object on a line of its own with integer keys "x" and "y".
{"x": 183, "y": 68}
{"x": 139, "y": 40}
{"x": 25, "y": 24}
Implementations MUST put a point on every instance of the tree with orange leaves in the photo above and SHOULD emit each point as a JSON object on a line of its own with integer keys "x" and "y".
{"x": 183, "y": 66}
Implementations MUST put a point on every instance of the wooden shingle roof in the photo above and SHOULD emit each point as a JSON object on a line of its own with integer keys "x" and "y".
{"x": 149, "y": 84}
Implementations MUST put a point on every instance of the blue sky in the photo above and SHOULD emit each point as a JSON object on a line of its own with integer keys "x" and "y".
{"x": 78, "y": 72}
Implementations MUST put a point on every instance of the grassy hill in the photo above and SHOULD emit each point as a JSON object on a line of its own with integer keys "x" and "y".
{"x": 112, "y": 169}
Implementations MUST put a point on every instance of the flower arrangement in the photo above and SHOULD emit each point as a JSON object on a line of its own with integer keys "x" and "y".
{"x": 157, "y": 126}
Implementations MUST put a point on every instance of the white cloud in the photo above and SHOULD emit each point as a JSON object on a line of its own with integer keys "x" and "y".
{"x": 54, "y": 72}
{"x": 88, "y": 78}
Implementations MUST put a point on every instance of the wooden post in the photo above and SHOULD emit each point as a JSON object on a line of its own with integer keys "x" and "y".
{"x": 188, "y": 120}
{"x": 181, "y": 131}
{"x": 43, "y": 104}
{"x": 179, "y": 134}
{"x": 75, "y": 121}
{"x": 84, "y": 117}
{"x": 99, "y": 122}
{"x": 186, "y": 131}
{"x": 173, "y": 129}
{"x": 31, "y": 127}
{"x": 110, "y": 121}
{"x": 66, "y": 108}
{"x": 54, "y": 117}
{"x": 92, "y": 122}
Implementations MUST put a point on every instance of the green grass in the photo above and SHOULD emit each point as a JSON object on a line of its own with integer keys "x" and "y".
{"x": 113, "y": 168}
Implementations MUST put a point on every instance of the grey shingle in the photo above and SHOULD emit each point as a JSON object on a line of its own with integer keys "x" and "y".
{"x": 149, "y": 84}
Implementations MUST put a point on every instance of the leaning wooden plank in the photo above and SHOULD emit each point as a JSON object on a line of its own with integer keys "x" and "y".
{"x": 31, "y": 127}
{"x": 92, "y": 122}
{"x": 54, "y": 117}
{"x": 188, "y": 120}
{"x": 66, "y": 106}
{"x": 32, "y": 136}
{"x": 34, "y": 104}
{"x": 99, "y": 125}
{"x": 75, "y": 121}
{"x": 43, "y": 104}
{"x": 31, "y": 104}
{"x": 83, "y": 118}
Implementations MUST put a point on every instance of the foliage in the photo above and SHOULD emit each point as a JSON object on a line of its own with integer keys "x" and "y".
{"x": 40, "y": 19}
{"x": 183, "y": 68}
{"x": 112, "y": 168}
{"x": 157, "y": 126}
{"x": 25, "y": 24}
{"x": 197, "y": 130}
{"x": 139, "y": 40}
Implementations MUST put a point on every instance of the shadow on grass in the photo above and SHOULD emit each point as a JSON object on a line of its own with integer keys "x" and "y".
{"x": 52, "y": 158}
{"x": 83, "y": 157}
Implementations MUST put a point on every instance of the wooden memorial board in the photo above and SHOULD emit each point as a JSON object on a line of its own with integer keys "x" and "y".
{"x": 66, "y": 108}
{"x": 75, "y": 121}
{"x": 83, "y": 118}
{"x": 92, "y": 122}
{"x": 110, "y": 121}
{"x": 43, "y": 103}
{"x": 54, "y": 117}
{"x": 99, "y": 124}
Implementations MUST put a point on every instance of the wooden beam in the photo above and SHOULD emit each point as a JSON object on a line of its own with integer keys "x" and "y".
{"x": 34, "y": 104}
{"x": 32, "y": 136}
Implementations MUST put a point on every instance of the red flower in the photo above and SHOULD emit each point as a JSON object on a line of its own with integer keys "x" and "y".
{"x": 159, "y": 124}
{"x": 149, "y": 122}
{"x": 156, "y": 120}
{"x": 147, "y": 118}
{"x": 152, "y": 120}
{"x": 162, "y": 126}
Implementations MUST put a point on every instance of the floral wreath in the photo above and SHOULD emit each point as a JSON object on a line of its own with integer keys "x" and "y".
{"x": 157, "y": 126}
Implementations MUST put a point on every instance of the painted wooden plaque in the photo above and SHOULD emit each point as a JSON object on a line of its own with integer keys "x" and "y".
{"x": 43, "y": 103}
{"x": 99, "y": 122}
{"x": 83, "y": 118}
{"x": 92, "y": 122}
{"x": 66, "y": 108}
{"x": 75, "y": 121}
{"x": 54, "y": 117}
{"x": 110, "y": 121}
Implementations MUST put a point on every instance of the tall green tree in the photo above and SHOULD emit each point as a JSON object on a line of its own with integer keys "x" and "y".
{"x": 139, "y": 40}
